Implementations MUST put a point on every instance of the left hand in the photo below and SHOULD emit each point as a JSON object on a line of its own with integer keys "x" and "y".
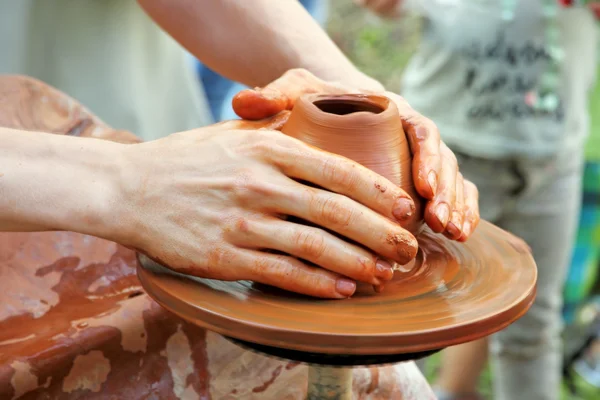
{"x": 452, "y": 201}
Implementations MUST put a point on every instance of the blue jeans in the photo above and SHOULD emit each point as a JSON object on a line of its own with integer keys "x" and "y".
{"x": 220, "y": 90}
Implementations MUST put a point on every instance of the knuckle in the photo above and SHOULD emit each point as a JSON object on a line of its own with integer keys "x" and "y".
{"x": 249, "y": 188}
{"x": 340, "y": 173}
{"x": 275, "y": 270}
{"x": 310, "y": 243}
{"x": 449, "y": 156}
{"x": 331, "y": 210}
{"x": 241, "y": 225}
{"x": 218, "y": 263}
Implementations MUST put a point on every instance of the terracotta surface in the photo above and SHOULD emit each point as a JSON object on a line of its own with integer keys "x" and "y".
{"x": 452, "y": 293}
{"x": 366, "y": 129}
{"x": 75, "y": 324}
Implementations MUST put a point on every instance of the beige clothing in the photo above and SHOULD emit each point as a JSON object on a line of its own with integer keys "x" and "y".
{"x": 473, "y": 70}
{"x": 109, "y": 55}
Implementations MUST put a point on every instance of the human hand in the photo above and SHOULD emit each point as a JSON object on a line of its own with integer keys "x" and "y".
{"x": 215, "y": 206}
{"x": 452, "y": 201}
{"x": 383, "y": 8}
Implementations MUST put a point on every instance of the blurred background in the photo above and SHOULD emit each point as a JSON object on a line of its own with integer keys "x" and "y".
{"x": 382, "y": 48}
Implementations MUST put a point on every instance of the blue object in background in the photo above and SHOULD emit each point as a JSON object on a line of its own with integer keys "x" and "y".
{"x": 220, "y": 91}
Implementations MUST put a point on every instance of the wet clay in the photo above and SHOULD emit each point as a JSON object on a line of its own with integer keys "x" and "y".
{"x": 75, "y": 323}
{"x": 451, "y": 293}
{"x": 363, "y": 128}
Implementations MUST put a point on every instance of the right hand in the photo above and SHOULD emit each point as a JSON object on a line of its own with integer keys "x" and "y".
{"x": 213, "y": 203}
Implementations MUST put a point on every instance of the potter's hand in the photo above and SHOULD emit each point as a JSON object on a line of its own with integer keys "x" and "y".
{"x": 452, "y": 206}
{"x": 212, "y": 203}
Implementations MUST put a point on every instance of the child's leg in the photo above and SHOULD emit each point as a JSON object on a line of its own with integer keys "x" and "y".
{"x": 527, "y": 354}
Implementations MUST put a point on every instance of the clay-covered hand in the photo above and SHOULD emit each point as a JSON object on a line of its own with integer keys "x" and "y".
{"x": 383, "y": 8}
{"x": 452, "y": 201}
{"x": 216, "y": 206}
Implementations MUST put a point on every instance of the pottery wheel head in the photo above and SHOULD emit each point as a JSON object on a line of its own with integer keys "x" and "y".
{"x": 453, "y": 293}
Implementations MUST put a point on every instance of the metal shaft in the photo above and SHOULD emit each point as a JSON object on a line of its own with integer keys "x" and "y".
{"x": 328, "y": 383}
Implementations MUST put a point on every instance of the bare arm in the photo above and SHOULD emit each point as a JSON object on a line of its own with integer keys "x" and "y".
{"x": 207, "y": 202}
{"x": 54, "y": 182}
{"x": 255, "y": 42}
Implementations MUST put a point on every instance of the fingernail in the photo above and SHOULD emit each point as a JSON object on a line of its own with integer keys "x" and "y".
{"x": 466, "y": 229}
{"x": 454, "y": 227}
{"x": 383, "y": 270}
{"x": 442, "y": 212}
{"x": 378, "y": 288}
{"x": 432, "y": 180}
{"x": 403, "y": 209}
{"x": 345, "y": 287}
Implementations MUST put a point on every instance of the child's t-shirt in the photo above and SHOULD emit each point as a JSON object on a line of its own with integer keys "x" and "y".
{"x": 473, "y": 71}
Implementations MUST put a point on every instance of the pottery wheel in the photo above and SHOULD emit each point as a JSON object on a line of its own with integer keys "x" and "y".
{"x": 451, "y": 293}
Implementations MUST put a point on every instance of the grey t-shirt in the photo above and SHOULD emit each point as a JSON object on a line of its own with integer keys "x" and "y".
{"x": 110, "y": 56}
{"x": 473, "y": 69}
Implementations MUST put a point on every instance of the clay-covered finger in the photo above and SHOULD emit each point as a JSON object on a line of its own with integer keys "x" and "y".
{"x": 351, "y": 220}
{"x": 455, "y": 224}
{"x": 438, "y": 210}
{"x": 425, "y": 144}
{"x": 471, "y": 210}
{"x": 338, "y": 174}
{"x": 314, "y": 245}
{"x": 281, "y": 94}
{"x": 257, "y": 104}
{"x": 291, "y": 274}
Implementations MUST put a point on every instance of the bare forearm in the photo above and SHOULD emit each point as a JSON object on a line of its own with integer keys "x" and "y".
{"x": 255, "y": 42}
{"x": 52, "y": 182}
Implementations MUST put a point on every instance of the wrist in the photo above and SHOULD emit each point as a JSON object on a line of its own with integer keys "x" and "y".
{"x": 94, "y": 204}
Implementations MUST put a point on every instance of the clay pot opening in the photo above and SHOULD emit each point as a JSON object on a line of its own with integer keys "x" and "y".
{"x": 345, "y": 106}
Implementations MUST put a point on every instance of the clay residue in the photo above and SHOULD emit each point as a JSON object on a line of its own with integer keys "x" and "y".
{"x": 405, "y": 246}
{"x": 128, "y": 318}
{"x": 89, "y": 372}
{"x": 22, "y": 255}
{"x": 265, "y": 385}
{"x": 378, "y": 186}
{"x": 178, "y": 353}
{"x": 98, "y": 283}
{"x": 23, "y": 381}
{"x": 252, "y": 376}
{"x": 401, "y": 381}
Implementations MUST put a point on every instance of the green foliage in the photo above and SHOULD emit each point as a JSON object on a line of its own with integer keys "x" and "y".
{"x": 380, "y": 48}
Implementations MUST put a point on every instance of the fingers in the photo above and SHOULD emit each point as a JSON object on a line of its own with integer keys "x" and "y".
{"x": 281, "y": 94}
{"x": 454, "y": 227}
{"x": 424, "y": 139}
{"x": 471, "y": 210}
{"x": 437, "y": 212}
{"x": 293, "y": 275}
{"x": 350, "y": 219}
{"x": 313, "y": 245}
{"x": 256, "y": 104}
{"x": 337, "y": 174}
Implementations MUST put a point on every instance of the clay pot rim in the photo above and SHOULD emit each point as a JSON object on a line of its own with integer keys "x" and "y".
{"x": 367, "y": 117}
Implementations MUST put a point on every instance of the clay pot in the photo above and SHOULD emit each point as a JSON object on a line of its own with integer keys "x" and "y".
{"x": 364, "y": 128}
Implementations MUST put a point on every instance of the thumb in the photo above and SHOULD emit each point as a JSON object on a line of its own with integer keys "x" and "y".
{"x": 256, "y": 104}
{"x": 281, "y": 94}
